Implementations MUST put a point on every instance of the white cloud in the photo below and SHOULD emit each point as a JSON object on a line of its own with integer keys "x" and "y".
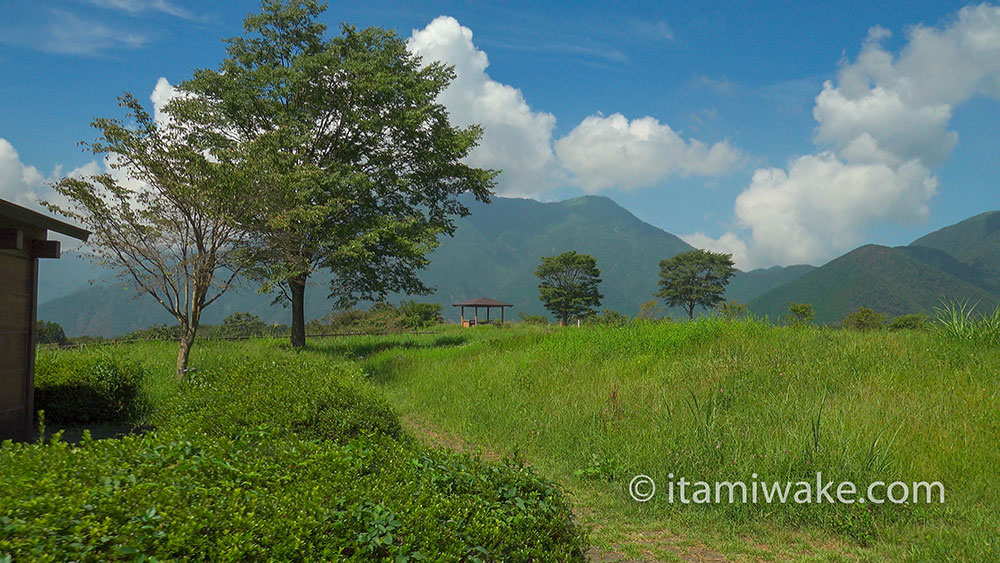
{"x": 884, "y": 124}
{"x": 71, "y": 34}
{"x": 516, "y": 138}
{"x": 135, "y": 7}
{"x": 600, "y": 153}
{"x": 728, "y": 243}
{"x": 19, "y": 182}
{"x": 605, "y": 152}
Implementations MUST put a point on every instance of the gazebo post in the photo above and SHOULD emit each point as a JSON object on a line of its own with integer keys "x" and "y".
{"x": 477, "y": 316}
{"x": 501, "y": 316}
{"x": 462, "y": 315}
{"x": 488, "y": 314}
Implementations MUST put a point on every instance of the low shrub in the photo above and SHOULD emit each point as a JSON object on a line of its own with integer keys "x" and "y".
{"x": 908, "y": 322}
{"x": 316, "y": 400}
{"x": 865, "y": 319}
{"x": 262, "y": 496}
{"x": 89, "y": 387}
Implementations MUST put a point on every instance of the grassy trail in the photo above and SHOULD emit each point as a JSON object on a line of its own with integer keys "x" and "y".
{"x": 715, "y": 401}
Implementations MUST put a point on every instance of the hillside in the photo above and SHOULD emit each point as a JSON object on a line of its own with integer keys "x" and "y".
{"x": 896, "y": 281}
{"x": 975, "y": 241}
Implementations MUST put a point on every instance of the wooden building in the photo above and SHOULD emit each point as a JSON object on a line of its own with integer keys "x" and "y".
{"x": 23, "y": 240}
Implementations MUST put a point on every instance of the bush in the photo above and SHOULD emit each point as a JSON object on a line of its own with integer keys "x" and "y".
{"x": 610, "y": 317}
{"x": 313, "y": 399}
{"x": 420, "y": 315}
{"x": 908, "y": 322}
{"x": 50, "y": 333}
{"x": 800, "y": 313}
{"x": 243, "y": 325}
{"x": 864, "y": 319}
{"x": 85, "y": 388}
{"x": 533, "y": 319}
{"x": 262, "y": 497}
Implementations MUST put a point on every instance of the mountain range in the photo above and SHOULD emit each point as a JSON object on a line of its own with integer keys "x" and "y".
{"x": 496, "y": 249}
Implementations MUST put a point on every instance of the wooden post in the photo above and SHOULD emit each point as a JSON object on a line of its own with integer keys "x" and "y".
{"x": 477, "y": 316}
{"x": 501, "y": 315}
{"x": 462, "y": 315}
{"x": 488, "y": 314}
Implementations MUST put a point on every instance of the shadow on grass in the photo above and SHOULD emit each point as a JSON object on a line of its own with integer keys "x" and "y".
{"x": 359, "y": 350}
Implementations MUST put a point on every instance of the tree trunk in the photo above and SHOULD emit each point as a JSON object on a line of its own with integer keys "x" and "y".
{"x": 691, "y": 312}
{"x": 184, "y": 351}
{"x": 297, "y": 285}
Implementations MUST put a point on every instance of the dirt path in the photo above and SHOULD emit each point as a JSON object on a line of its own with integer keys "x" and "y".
{"x": 645, "y": 540}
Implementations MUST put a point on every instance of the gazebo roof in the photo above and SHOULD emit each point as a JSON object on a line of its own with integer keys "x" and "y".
{"x": 481, "y": 302}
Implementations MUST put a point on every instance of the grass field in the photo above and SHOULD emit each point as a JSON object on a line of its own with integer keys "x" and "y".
{"x": 710, "y": 401}
{"x": 719, "y": 401}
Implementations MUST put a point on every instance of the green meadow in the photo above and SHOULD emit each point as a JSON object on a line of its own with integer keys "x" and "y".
{"x": 586, "y": 409}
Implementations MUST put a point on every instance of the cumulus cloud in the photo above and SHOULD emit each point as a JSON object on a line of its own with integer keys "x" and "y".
{"x": 600, "y": 153}
{"x": 19, "y": 182}
{"x": 881, "y": 128}
{"x": 516, "y": 139}
{"x": 605, "y": 152}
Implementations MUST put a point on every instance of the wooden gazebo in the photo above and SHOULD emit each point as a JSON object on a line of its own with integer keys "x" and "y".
{"x": 476, "y": 304}
{"x": 23, "y": 240}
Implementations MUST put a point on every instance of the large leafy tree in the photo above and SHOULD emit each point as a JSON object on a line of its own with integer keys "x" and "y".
{"x": 355, "y": 168}
{"x": 693, "y": 278}
{"x": 166, "y": 219}
{"x": 568, "y": 287}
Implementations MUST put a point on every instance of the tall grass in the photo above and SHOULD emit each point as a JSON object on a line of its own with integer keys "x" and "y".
{"x": 960, "y": 320}
{"x": 719, "y": 401}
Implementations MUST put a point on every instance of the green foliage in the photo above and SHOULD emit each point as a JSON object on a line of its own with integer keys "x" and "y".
{"x": 959, "y": 320}
{"x": 91, "y": 387}
{"x": 156, "y": 332}
{"x": 568, "y": 287}
{"x": 296, "y": 457}
{"x": 609, "y": 317}
{"x": 649, "y": 311}
{"x": 365, "y": 199}
{"x": 533, "y": 319}
{"x": 909, "y": 322}
{"x": 800, "y": 313}
{"x": 49, "y": 333}
{"x": 732, "y": 310}
{"x": 698, "y": 277}
{"x": 314, "y": 399}
{"x": 261, "y": 496}
{"x": 420, "y": 315}
{"x": 243, "y": 325}
{"x": 865, "y": 319}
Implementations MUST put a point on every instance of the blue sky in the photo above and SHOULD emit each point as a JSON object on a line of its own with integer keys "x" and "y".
{"x": 712, "y": 123}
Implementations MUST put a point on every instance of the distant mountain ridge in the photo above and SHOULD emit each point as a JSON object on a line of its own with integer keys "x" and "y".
{"x": 496, "y": 249}
{"x": 960, "y": 262}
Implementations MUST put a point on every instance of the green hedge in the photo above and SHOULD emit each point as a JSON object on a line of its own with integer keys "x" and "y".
{"x": 262, "y": 496}
{"x": 93, "y": 387}
{"x": 311, "y": 398}
{"x": 275, "y": 460}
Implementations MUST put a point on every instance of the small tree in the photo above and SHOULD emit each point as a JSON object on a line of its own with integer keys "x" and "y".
{"x": 693, "y": 278}
{"x": 731, "y": 310}
{"x": 801, "y": 313}
{"x": 649, "y": 311}
{"x": 533, "y": 319}
{"x": 569, "y": 285}
{"x": 49, "y": 333}
{"x": 243, "y": 325}
{"x": 169, "y": 228}
{"x": 420, "y": 315}
{"x": 865, "y": 319}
